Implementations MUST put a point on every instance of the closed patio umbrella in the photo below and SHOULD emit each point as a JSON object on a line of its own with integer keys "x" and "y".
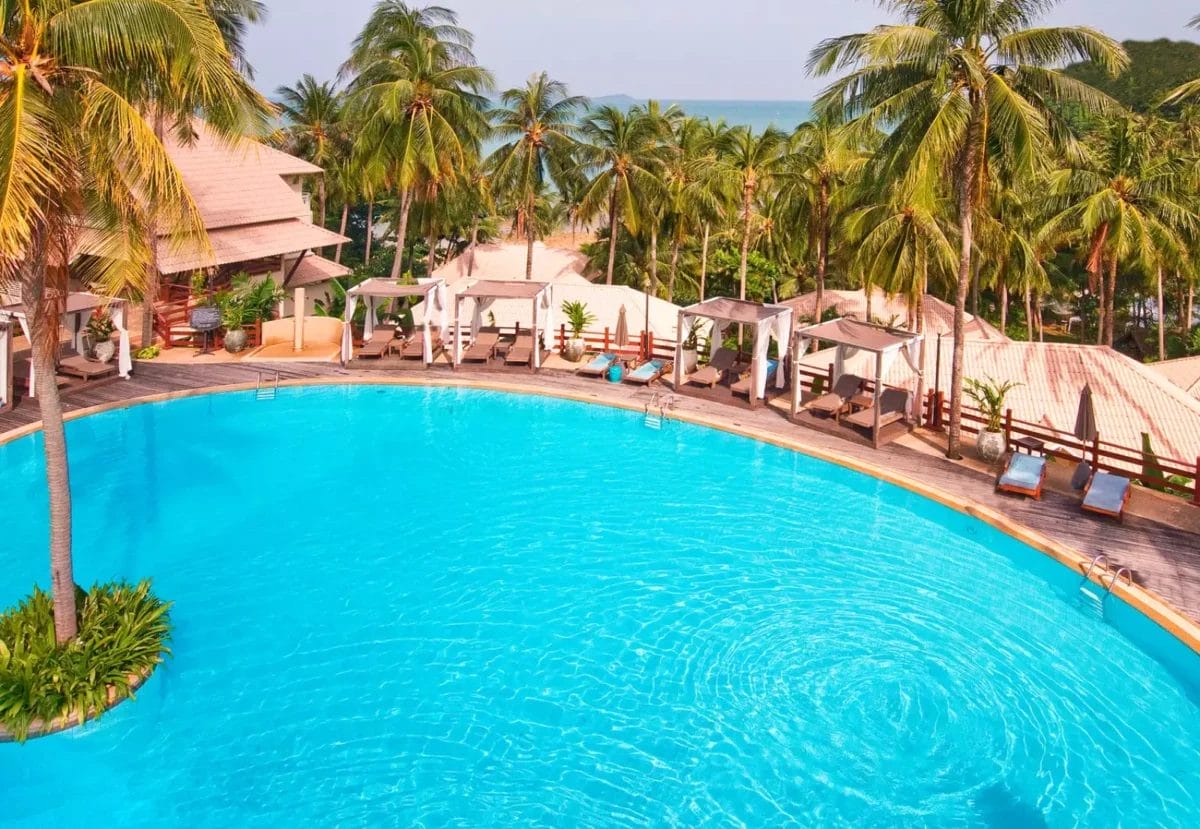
{"x": 621, "y": 338}
{"x": 1085, "y": 420}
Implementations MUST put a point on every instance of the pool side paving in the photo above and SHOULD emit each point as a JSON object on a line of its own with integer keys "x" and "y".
{"x": 1164, "y": 558}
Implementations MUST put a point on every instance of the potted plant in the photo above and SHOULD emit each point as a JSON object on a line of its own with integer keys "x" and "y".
{"x": 578, "y": 318}
{"x": 691, "y": 346}
{"x": 233, "y": 318}
{"x": 989, "y": 397}
{"x": 100, "y": 329}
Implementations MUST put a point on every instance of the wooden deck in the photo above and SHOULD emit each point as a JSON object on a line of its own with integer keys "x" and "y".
{"x": 1164, "y": 558}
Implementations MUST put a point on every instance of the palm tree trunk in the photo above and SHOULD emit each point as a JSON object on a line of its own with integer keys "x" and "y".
{"x": 370, "y": 232}
{"x": 1041, "y": 323}
{"x": 321, "y": 202}
{"x": 975, "y": 289}
{"x": 675, "y": 246}
{"x": 1162, "y": 318}
{"x": 823, "y": 253}
{"x": 612, "y": 235}
{"x": 965, "y": 184}
{"x": 148, "y": 302}
{"x": 1191, "y": 307}
{"x": 337, "y": 252}
{"x": 747, "y": 202}
{"x": 1110, "y": 302}
{"x": 402, "y": 232}
{"x": 529, "y": 234}
{"x": 921, "y": 330}
{"x": 654, "y": 256}
{"x": 1003, "y": 305}
{"x": 704, "y": 259}
{"x": 1028, "y": 314}
{"x": 471, "y": 247}
{"x": 431, "y": 261}
{"x": 43, "y": 328}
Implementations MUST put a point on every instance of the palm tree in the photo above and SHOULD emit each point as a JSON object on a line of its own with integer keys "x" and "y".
{"x": 692, "y": 196}
{"x": 419, "y": 95}
{"x": 1006, "y": 238}
{"x": 312, "y": 111}
{"x": 748, "y": 161}
{"x": 955, "y": 82}
{"x": 621, "y": 152}
{"x": 74, "y": 82}
{"x": 538, "y": 123}
{"x": 233, "y": 18}
{"x": 1125, "y": 199}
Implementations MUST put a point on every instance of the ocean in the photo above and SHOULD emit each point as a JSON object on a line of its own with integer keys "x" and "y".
{"x": 785, "y": 115}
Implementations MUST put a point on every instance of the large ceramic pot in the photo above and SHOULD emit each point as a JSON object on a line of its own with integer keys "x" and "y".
{"x": 990, "y": 445}
{"x": 574, "y": 349}
{"x": 104, "y": 351}
{"x": 235, "y": 340}
{"x": 690, "y": 360}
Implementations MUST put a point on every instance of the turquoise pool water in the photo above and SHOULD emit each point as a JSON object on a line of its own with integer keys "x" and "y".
{"x": 444, "y": 607}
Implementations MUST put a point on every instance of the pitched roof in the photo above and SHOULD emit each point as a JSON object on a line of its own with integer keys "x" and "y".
{"x": 852, "y": 332}
{"x": 490, "y": 289}
{"x": 388, "y": 288}
{"x": 1184, "y": 372}
{"x": 734, "y": 310}
{"x": 506, "y": 262}
{"x": 244, "y": 243}
{"x": 313, "y": 270}
{"x": 939, "y": 315}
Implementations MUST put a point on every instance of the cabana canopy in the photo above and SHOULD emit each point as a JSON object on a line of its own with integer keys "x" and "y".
{"x": 767, "y": 320}
{"x": 78, "y": 308}
{"x": 433, "y": 293}
{"x": 484, "y": 292}
{"x": 852, "y": 336}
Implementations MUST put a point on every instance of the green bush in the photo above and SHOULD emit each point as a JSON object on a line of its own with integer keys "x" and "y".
{"x": 123, "y": 631}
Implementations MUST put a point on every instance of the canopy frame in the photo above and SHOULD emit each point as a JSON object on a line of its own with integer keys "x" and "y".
{"x": 485, "y": 292}
{"x": 433, "y": 293}
{"x": 768, "y": 321}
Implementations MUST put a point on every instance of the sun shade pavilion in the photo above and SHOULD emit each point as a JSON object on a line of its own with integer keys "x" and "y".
{"x": 372, "y": 291}
{"x": 78, "y": 308}
{"x": 767, "y": 321}
{"x": 484, "y": 292}
{"x": 852, "y": 336}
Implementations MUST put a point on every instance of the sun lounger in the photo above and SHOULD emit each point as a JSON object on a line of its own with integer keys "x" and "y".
{"x": 1024, "y": 475}
{"x": 383, "y": 338}
{"x": 520, "y": 352}
{"x": 1107, "y": 494}
{"x": 77, "y": 366}
{"x": 414, "y": 348}
{"x": 483, "y": 349}
{"x": 722, "y": 361}
{"x": 598, "y": 367}
{"x": 742, "y": 386}
{"x": 893, "y": 407}
{"x": 838, "y": 398}
{"x": 646, "y": 372}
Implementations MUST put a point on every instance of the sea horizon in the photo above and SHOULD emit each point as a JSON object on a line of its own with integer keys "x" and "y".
{"x": 757, "y": 114}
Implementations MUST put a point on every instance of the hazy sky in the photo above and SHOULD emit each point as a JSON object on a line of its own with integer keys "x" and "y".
{"x": 669, "y": 49}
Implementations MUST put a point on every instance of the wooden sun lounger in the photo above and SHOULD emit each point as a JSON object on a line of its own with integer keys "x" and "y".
{"x": 893, "y": 404}
{"x": 483, "y": 349}
{"x": 77, "y": 366}
{"x": 742, "y": 386}
{"x": 383, "y": 339}
{"x": 520, "y": 352}
{"x": 1024, "y": 475}
{"x": 647, "y": 372}
{"x": 722, "y": 361}
{"x": 838, "y": 398}
{"x": 1107, "y": 494}
{"x": 414, "y": 349}
{"x": 598, "y": 367}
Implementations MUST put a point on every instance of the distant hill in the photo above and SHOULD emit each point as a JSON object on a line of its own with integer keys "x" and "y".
{"x": 1156, "y": 67}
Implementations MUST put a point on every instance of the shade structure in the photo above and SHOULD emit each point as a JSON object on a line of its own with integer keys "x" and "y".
{"x": 621, "y": 337}
{"x": 484, "y": 292}
{"x": 372, "y": 291}
{"x": 78, "y": 308}
{"x": 768, "y": 321}
{"x": 1085, "y": 421}
{"x": 852, "y": 336}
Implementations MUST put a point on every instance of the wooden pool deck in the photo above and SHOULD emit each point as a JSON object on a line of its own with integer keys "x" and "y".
{"x": 1163, "y": 558}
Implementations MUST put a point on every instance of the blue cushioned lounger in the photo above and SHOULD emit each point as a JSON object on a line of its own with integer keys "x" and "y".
{"x": 646, "y": 372}
{"x": 598, "y": 366}
{"x": 1107, "y": 494}
{"x": 1025, "y": 475}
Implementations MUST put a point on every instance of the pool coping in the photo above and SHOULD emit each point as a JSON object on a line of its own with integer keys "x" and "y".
{"x": 1146, "y": 601}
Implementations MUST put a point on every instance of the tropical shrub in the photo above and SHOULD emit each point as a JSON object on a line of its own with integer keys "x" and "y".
{"x": 578, "y": 317}
{"x": 989, "y": 397}
{"x": 123, "y": 633}
{"x": 149, "y": 352}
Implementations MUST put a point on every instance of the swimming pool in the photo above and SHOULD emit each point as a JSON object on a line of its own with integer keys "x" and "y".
{"x": 455, "y": 607}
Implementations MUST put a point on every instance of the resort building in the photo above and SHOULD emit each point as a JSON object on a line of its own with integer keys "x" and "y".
{"x": 1184, "y": 373}
{"x": 891, "y": 310}
{"x": 258, "y": 219}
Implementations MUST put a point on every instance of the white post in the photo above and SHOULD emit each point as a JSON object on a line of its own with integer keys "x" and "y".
{"x": 679, "y": 351}
{"x": 298, "y": 303}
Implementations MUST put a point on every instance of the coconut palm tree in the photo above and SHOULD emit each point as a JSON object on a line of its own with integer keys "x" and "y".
{"x": 747, "y": 162}
{"x": 312, "y": 111}
{"x": 233, "y": 19}
{"x": 1127, "y": 202}
{"x": 75, "y": 80}
{"x": 954, "y": 82}
{"x": 692, "y": 197}
{"x": 1009, "y": 258}
{"x": 621, "y": 153}
{"x": 538, "y": 124}
{"x": 420, "y": 100}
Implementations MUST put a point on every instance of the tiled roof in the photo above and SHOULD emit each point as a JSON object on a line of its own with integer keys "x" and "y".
{"x": 939, "y": 315}
{"x": 314, "y": 270}
{"x": 1184, "y": 372}
{"x": 242, "y": 244}
{"x": 506, "y": 262}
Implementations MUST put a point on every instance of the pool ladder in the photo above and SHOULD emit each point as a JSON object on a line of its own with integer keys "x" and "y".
{"x": 663, "y": 403}
{"x": 266, "y": 391}
{"x": 1108, "y": 580}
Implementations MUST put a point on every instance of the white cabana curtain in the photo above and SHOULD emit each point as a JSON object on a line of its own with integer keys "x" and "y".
{"x": 5, "y": 360}
{"x": 840, "y": 356}
{"x": 24, "y": 323}
{"x": 347, "y": 334}
{"x": 75, "y": 323}
{"x": 116, "y": 313}
{"x": 546, "y": 301}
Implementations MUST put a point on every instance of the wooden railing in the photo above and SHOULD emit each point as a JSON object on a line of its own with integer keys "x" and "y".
{"x": 172, "y": 323}
{"x": 605, "y": 341}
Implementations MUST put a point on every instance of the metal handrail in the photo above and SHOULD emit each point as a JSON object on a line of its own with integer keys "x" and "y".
{"x": 1124, "y": 571}
{"x": 1100, "y": 558}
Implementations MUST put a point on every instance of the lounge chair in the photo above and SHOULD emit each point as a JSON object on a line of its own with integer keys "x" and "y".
{"x": 520, "y": 352}
{"x": 483, "y": 349}
{"x": 742, "y": 386}
{"x": 722, "y": 361}
{"x": 77, "y": 366}
{"x": 893, "y": 407}
{"x": 647, "y": 372}
{"x": 414, "y": 347}
{"x": 1024, "y": 475}
{"x": 382, "y": 340}
{"x": 838, "y": 398}
{"x": 1107, "y": 494}
{"x": 598, "y": 367}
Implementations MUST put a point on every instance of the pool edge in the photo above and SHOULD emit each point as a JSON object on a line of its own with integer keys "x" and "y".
{"x": 1144, "y": 600}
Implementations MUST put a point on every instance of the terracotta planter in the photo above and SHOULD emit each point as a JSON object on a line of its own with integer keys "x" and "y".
{"x": 990, "y": 445}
